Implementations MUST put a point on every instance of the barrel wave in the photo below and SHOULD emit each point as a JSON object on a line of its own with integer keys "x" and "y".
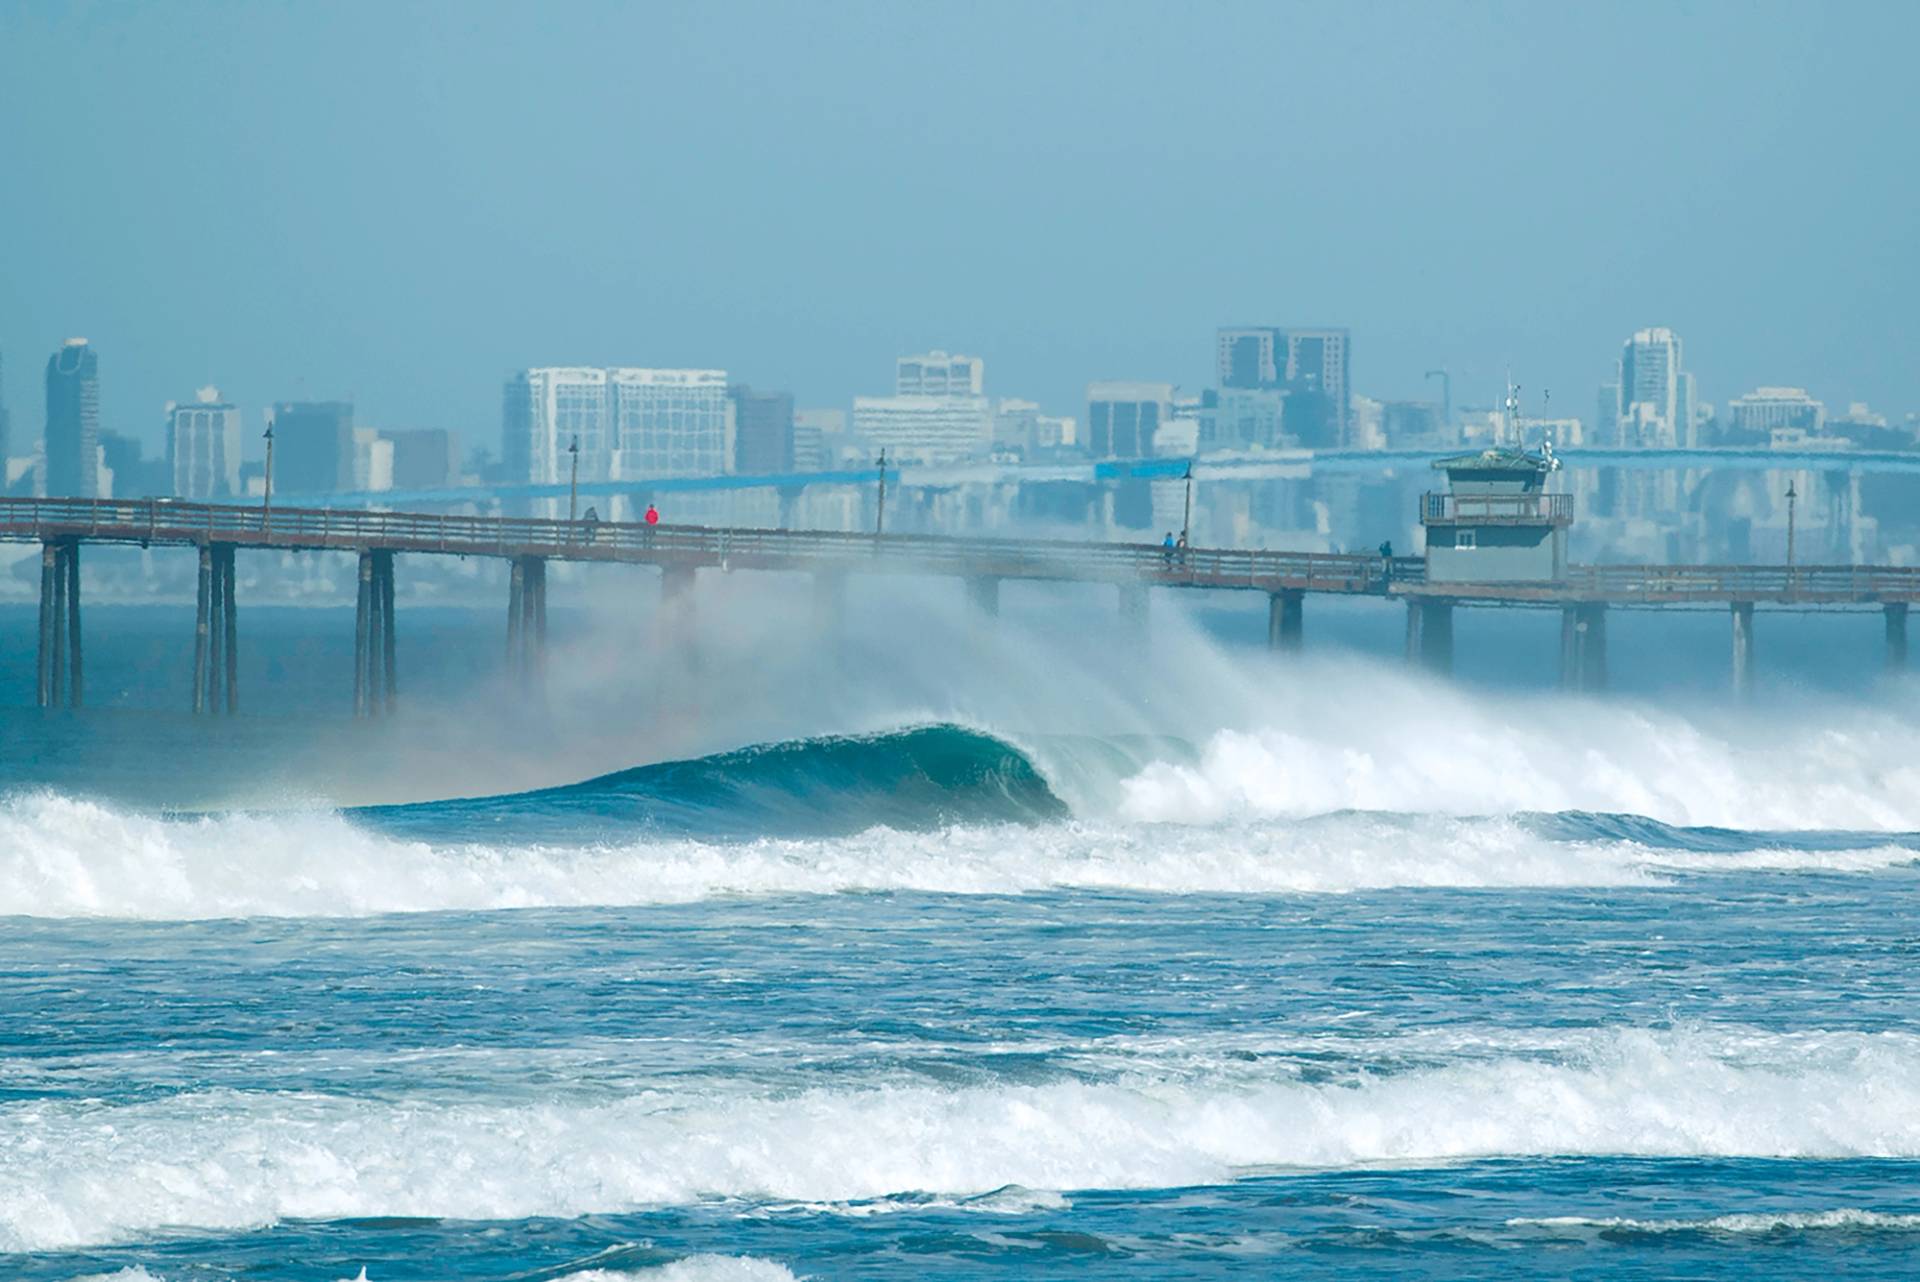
{"x": 913, "y": 779}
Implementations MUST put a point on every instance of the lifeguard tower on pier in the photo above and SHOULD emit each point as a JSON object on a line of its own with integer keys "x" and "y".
{"x": 1496, "y": 523}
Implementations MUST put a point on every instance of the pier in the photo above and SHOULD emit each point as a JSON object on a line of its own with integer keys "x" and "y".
{"x": 1431, "y": 588}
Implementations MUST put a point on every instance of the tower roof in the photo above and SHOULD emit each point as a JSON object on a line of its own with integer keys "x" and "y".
{"x": 1495, "y": 459}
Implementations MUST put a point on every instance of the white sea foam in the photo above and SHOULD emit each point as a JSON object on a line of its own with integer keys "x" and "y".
{"x": 61, "y": 857}
{"x": 695, "y": 1268}
{"x": 85, "y": 1172}
{"x": 1396, "y": 744}
{"x": 1842, "y": 1220}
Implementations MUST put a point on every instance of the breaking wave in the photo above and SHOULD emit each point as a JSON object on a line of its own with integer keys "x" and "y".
{"x": 88, "y": 1172}
{"x": 62, "y": 857}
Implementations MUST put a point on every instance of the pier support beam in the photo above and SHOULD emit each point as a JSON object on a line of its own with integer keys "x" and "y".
{"x": 61, "y": 676}
{"x": 216, "y": 630}
{"x": 1134, "y": 610}
{"x": 1896, "y": 615}
{"x": 527, "y": 619}
{"x": 75, "y": 672}
{"x": 1286, "y": 619}
{"x": 1430, "y": 633}
{"x": 1743, "y": 648}
{"x": 374, "y": 673}
{"x": 43, "y": 689}
{"x": 1583, "y": 646}
{"x": 230, "y": 625}
{"x": 202, "y": 603}
{"x": 216, "y": 633}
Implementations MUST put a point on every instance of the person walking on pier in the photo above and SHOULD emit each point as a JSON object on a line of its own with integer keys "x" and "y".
{"x": 1166, "y": 549}
{"x": 652, "y": 517}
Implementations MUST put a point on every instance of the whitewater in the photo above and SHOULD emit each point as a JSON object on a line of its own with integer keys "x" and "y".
{"x": 1191, "y": 969}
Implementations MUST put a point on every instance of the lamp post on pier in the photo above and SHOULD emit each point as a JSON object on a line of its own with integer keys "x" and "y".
{"x": 1186, "y": 520}
{"x": 266, "y": 499}
{"x": 573, "y": 486}
{"x": 1791, "y": 496}
{"x": 880, "y": 510}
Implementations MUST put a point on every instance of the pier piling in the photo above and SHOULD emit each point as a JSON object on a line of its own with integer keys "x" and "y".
{"x": 231, "y": 625}
{"x": 1286, "y": 619}
{"x": 526, "y": 619}
{"x": 373, "y": 636}
{"x": 75, "y": 672}
{"x": 203, "y": 598}
{"x": 1583, "y": 646}
{"x": 1896, "y": 616}
{"x": 1430, "y": 633}
{"x": 59, "y": 674}
{"x": 1743, "y": 648}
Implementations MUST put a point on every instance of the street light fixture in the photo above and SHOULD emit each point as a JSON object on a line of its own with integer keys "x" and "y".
{"x": 266, "y": 501}
{"x": 573, "y": 486}
{"x": 880, "y": 511}
{"x": 1186, "y": 521}
{"x": 1791, "y": 496}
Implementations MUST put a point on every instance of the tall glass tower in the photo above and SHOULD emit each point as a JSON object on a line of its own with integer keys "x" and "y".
{"x": 73, "y": 421}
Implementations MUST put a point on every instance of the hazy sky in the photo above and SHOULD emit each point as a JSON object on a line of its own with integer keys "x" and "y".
{"x": 401, "y": 203}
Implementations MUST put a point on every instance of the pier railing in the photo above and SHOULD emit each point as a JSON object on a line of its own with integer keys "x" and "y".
{"x": 163, "y": 521}
{"x": 1496, "y": 509}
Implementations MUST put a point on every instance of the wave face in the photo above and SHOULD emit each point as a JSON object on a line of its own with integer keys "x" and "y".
{"x": 916, "y": 779}
{"x": 84, "y": 1172}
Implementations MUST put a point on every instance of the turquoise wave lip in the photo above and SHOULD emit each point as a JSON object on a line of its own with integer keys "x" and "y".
{"x": 913, "y": 779}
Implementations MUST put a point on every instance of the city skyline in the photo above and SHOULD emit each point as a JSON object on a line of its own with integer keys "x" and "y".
{"x": 422, "y": 241}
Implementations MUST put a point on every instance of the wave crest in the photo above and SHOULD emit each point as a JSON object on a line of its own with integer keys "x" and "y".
{"x": 87, "y": 1172}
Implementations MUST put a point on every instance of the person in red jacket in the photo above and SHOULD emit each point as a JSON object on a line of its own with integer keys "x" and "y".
{"x": 653, "y": 515}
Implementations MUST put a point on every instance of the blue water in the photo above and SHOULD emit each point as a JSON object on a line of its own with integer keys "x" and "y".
{"x": 1308, "y": 969}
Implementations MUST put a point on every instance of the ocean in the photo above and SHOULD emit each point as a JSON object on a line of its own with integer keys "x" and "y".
{"x": 936, "y": 948}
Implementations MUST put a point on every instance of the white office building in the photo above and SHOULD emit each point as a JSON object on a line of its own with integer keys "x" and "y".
{"x": 546, "y": 411}
{"x": 925, "y": 429}
{"x": 1768, "y": 408}
{"x": 203, "y": 447}
{"x": 939, "y": 374}
{"x": 372, "y": 461}
{"x": 670, "y": 422}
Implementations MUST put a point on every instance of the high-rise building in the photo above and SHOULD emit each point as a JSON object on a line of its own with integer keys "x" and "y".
{"x": 73, "y": 421}
{"x": 939, "y": 374}
{"x": 762, "y": 431}
{"x": 1250, "y": 356}
{"x": 1655, "y": 407}
{"x": 546, "y": 410}
{"x": 1123, "y": 416}
{"x": 313, "y": 447}
{"x": 203, "y": 447}
{"x": 1309, "y": 364}
{"x": 423, "y": 458}
{"x": 669, "y": 422}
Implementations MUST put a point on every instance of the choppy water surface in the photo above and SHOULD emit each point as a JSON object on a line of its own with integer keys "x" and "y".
{"x": 1371, "y": 977}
